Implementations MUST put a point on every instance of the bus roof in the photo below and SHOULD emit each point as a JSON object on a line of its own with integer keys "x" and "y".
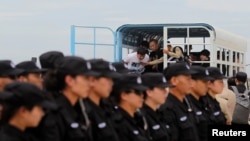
{"x": 228, "y": 39}
{"x": 221, "y": 37}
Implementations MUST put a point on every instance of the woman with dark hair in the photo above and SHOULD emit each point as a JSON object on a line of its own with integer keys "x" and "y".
{"x": 71, "y": 81}
{"x": 24, "y": 106}
{"x": 100, "y": 89}
{"x": 155, "y": 96}
{"x": 129, "y": 96}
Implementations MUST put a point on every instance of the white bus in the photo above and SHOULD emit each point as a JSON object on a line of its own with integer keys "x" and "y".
{"x": 227, "y": 50}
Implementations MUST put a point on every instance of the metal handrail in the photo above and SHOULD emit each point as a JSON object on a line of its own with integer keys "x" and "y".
{"x": 73, "y": 41}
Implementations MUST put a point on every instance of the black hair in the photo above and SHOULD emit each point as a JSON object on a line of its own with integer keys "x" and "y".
{"x": 144, "y": 44}
{"x": 141, "y": 51}
{"x": 10, "y": 109}
{"x": 231, "y": 81}
{"x": 118, "y": 91}
{"x": 174, "y": 49}
{"x": 190, "y": 47}
{"x": 153, "y": 40}
{"x": 12, "y": 77}
{"x": 145, "y": 92}
{"x": 23, "y": 74}
{"x": 205, "y": 52}
{"x": 54, "y": 80}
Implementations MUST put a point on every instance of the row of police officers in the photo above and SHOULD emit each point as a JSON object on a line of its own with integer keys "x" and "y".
{"x": 73, "y": 99}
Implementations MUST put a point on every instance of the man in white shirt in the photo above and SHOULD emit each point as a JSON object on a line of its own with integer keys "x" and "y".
{"x": 134, "y": 60}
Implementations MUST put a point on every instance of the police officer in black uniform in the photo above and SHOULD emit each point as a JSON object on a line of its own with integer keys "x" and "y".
{"x": 109, "y": 103}
{"x": 176, "y": 111}
{"x": 199, "y": 89}
{"x": 31, "y": 73}
{"x": 210, "y": 104}
{"x": 49, "y": 60}
{"x": 25, "y": 105}
{"x": 139, "y": 117}
{"x": 101, "y": 87}
{"x": 72, "y": 79}
{"x": 155, "y": 96}
{"x": 8, "y": 72}
{"x": 129, "y": 96}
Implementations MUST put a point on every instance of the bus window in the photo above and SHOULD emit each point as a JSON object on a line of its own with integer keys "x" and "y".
{"x": 241, "y": 56}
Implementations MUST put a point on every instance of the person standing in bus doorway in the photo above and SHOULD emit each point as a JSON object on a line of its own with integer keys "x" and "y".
{"x": 155, "y": 96}
{"x": 156, "y": 54}
{"x": 129, "y": 96}
{"x": 100, "y": 88}
{"x": 72, "y": 83}
{"x": 174, "y": 54}
{"x": 154, "y": 61}
{"x": 198, "y": 90}
{"x": 31, "y": 73}
{"x": 209, "y": 102}
{"x": 135, "y": 59}
{"x": 24, "y": 106}
{"x": 176, "y": 111}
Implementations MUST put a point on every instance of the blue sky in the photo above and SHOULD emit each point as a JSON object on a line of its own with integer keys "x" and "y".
{"x": 29, "y": 28}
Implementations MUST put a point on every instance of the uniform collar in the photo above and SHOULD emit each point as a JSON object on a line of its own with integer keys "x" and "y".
{"x": 14, "y": 133}
{"x": 64, "y": 103}
{"x": 172, "y": 99}
{"x": 148, "y": 111}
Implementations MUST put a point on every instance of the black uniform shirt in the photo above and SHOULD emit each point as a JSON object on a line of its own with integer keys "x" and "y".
{"x": 154, "y": 55}
{"x": 158, "y": 130}
{"x": 70, "y": 125}
{"x": 200, "y": 117}
{"x": 213, "y": 110}
{"x": 11, "y": 133}
{"x": 102, "y": 127}
{"x": 181, "y": 121}
{"x": 127, "y": 127}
